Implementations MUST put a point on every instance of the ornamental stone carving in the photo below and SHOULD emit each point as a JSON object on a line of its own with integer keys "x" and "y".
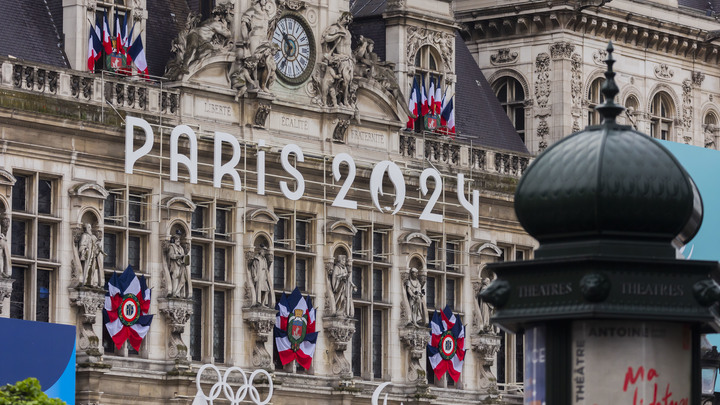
{"x": 341, "y": 287}
{"x": 88, "y": 256}
{"x": 262, "y": 322}
{"x": 176, "y": 266}
{"x": 599, "y": 57}
{"x": 261, "y": 114}
{"x": 486, "y": 346}
{"x": 5, "y": 255}
{"x": 542, "y": 84}
{"x": 663, "y": 71}
{"x": 687, "y": 108}
{"x": 542, "y": 132}
{"x": 340, "y": 131}
{"x": 177, "y": 312}
{"x": 415, "y": 340}
{"x": 503, "y": 57}
{"x": 5, "y": 292}
{"x": 576, "y": 80}
{"x": 443, "y": 42}
{"x": 259, "y": 263}
{"x": 88, "y": 300}
{"x": 562, "y": 50}
{"x": 340, "y": 331}
{"x": 333, "y": 80}
{"x": 697, "y": 78}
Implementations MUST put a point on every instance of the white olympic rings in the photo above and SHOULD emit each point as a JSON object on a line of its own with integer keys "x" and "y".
{"x": 222, "y": 385}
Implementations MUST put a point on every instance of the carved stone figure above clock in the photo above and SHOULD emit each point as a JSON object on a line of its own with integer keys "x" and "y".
{"x": 296, "y": 56}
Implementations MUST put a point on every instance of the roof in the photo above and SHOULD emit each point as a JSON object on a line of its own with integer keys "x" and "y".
{"x": 478, "y": 114}
{"x": 29, "y": 32}
{"x": 701, "y": 5}
{"x": 367, "y": 8}
{"x": 165, "y": 19}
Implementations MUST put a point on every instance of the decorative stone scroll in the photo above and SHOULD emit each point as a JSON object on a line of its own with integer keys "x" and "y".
{"x": 177, "y": 312}
{"x": 687, "y": 107}
{"x": 542, "y": 84}
{"x": 415, "y": 340}
{"x": 663, "y": 71}
{"x": 262, "y": 322}
{"x": 486, "y": 347}
{"x": 562, "y": 50}
{"x": 340, "y": 331}
{"x": 503, "y": 57}
{"x": 89, "y": 301}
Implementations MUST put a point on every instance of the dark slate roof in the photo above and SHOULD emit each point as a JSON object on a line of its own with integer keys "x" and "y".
{"x": 365, "y": 8}
{"x": 29, "y": 32}
{"x": 701, "y": 5}
{"x": 373, "y": 28}
{"x": 165, "y": 19}
{"x": 478, "y": 114}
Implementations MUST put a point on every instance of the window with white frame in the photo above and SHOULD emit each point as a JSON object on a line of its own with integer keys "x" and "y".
{"x": 370, "y": 274}
{"x": 595, "y": 98}
{"x": 125, "y": 238}
{"x": 33, "y": 234}
{"x": 211, "y": 255}
{"x": 428, "y": 65}
{"x": 662, "y": 111}
{"x": 511, "y": 95}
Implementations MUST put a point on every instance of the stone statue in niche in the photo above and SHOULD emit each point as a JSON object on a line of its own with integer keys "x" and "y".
{"x": 199, "y": 41}
{"x": 415, "y": 291}
{"x": 486, "y": 310}
{"x": 342, "y": 287}
{"x": 368, "y": 65}
{"x": 177, "y": 260}
{"x": 5, "y": 264}
{"x": 90, "y": 254}
{"x": 259, "y": 265}
{"x": 337, "y": 54}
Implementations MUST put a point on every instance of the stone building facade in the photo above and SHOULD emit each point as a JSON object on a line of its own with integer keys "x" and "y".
{"x": 249, "y": 160}
{"x": 545, "y": 62}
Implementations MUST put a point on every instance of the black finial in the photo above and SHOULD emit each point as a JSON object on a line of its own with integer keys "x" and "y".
{"x": 609, "y": 110}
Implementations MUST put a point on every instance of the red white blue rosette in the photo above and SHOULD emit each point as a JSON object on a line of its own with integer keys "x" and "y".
{"x": 446, "y": 350}
{"x": 295, "y": 335}
{"x": 127, "y": 303}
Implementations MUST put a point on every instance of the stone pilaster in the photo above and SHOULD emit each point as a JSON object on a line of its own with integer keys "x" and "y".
{"x": 415, "y": 340}
{"x": 261, "y": 320}
{"x": 340, "y": 331}
{"x": 88, "y": 301}
{"x": 177, "y": 312}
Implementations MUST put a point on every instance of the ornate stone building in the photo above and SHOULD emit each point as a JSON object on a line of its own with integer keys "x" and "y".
{"x": 544, "y": 61}
{"x": 255, "y": 165}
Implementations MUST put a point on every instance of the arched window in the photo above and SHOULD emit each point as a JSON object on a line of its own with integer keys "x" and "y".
{"x": 595, "y": 97}
{"x": 631, "y": 108}
{"x": 661, "y": 113}
{"x": 510, "y": 93}
{"x": 427, "y": 66}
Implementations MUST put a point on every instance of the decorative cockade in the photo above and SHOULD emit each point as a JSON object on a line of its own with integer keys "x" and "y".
{"x": 295, "y": 335}
{"x": 127, "y": 303}
{"x": 446, "y": 350}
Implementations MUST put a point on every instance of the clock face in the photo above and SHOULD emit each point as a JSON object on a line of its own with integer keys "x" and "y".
{"x": 296, "y": 57}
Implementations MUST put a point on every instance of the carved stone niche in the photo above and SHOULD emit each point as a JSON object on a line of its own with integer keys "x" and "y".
{"x": 262, "y": 321}
{"x": 89, "y": 301}
{"x": 339, "y": 231}
{"x": 175, "y": 208}
{"x": 340, "y": 331}
{"x": 177, "y": 312}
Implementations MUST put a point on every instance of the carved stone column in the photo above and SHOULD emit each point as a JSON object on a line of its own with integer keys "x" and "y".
{"x": 415, "y": 340}
{"x": 486, "y": 346}
{"x": 177, "y": 312}
{"x": 340, "y": 331}
{"x": 261, "y": 320}
{"x": 88, "y": 301}
{"x": 5, "y": 292}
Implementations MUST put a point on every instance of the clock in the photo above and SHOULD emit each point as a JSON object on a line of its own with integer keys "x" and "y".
{"x": 296, "y": 57}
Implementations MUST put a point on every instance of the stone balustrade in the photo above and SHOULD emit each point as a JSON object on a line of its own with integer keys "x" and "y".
{"x": 123, "y": 93}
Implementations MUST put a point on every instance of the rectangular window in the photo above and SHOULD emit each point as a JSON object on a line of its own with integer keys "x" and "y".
{"x": 110, "y": 209}
{"x": 501, "y": 359}
{"x": 17, "y": 296}
{"x": 110, "y": 248}
{"x": 357, "y": 345}
{"x": 197, "y": 222}
{"x": 196, "y": 261}
{"x": 432, "y": 254}
{"x": 450, "y": 293}
{"x": 19, "y": 194}
{"x": 519, "y": 254}
{"x": 219, "y": 266}
{"x": 430, "y": 292}
{"x": 134, "y": 252}
{"x": 519, "y": 357}
{"x": 377, "y": 343}
{"x": 301, "y": 229}
{"x": 358, "y": 244}
{"x": 44, "y": 242}
{"x": 357, "y": 279}
{"x": 19, "y": 232}
{"x": 279, "y": 273}
{"x": 450, "y": 249}
{"x": 377, "y": 285}
{"x": 135, "y": 211}
{"x": 42, "y": 301}
{"x": 301, "y": 274}
{"x": 219, "y": 327}
{"x": 279, "y": 233}
{"x": 196, "y": 326}
{"x": 378, "y": 246}
{"x": 221, "y": 214}
{"x": 45, "y": 197}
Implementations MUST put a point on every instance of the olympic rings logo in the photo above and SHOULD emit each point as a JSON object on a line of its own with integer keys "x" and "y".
{"x": 223, "y": 386}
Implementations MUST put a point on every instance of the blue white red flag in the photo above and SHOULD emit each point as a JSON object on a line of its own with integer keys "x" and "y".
{"x": 446, "y": 350}
{"x": 413, "y": 102}
{"x": 136, "y": 53}
{"x": 424, "y": 107}
{"x": 447, "y": 118}
{"x": 127, "y": 303}
{"x": 120, "y": 33}
{"x": 94, "y": 48}
{"x": 106, "y": 38}
{"x": 295, "y": 335}
{"x": 431, "y": 95}
{"x": 437, "y": 101}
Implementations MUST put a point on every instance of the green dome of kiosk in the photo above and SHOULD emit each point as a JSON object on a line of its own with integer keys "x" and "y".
{"x": 605, "y": 186}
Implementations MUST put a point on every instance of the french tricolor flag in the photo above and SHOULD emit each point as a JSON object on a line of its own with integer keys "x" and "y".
{"x": 446, "y": 350}
{"x": 447, "y": 118}
{"x": 107, "y": 42}
{"x": 424, "y": 107}
{"x": 127, "y": 303}
{"x": 295, "y": 335}
{"x": 413, "y": 102}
